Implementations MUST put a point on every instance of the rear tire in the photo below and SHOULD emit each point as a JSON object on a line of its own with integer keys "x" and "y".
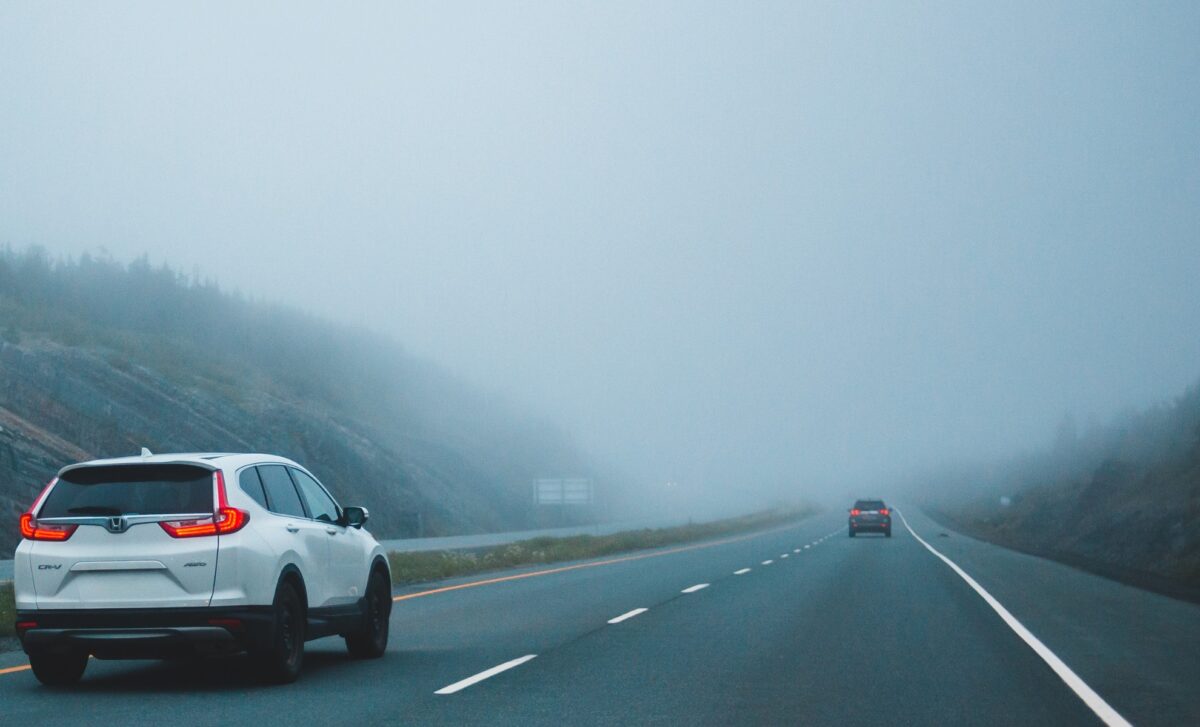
{"x": 888, "y": 532}
{"x": 370, "y": 641}
{"x": 281, "y": 658}
{"x": 59, "y": 670}
{"x": 852, "y": 532}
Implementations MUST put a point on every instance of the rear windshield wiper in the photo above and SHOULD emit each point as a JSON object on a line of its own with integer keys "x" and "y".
{"x": 94, "y": 510}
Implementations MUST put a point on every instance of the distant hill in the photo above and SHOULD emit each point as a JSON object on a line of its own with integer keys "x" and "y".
{"x": 99, "y": 359}
{"x": 1122, "y": 500}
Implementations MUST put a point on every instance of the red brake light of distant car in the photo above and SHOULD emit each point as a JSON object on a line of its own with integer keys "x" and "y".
{"x": 224, "y": 521}
{"x": 31, "y": 529}
{"x": 884, "y": 511}
{"x": 856, "y": 511}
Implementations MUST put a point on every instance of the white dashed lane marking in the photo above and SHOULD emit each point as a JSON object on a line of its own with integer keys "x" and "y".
{"x": 627, "y": 615}
{"x": 459, "y": 686}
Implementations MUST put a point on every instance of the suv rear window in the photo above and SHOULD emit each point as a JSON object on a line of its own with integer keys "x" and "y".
{"x": 131, "y": 490}
{"x": 869, "y": 505}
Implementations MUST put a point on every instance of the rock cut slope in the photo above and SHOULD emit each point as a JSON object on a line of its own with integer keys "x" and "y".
{"x": 100, "y": 359}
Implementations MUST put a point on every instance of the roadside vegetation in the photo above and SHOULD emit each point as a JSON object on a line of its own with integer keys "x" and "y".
{"x": 420, "y": 567}
{"x": 8, "y": 610}
{"x": 1121, "y": 500}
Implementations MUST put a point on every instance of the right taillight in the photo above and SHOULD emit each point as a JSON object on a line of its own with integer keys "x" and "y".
{"x": 31, "y": 529}
{"x": 224, "y": 521}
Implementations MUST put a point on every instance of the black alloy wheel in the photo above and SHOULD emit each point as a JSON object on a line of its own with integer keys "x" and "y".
{"x": 370, "y": 641}
{"x": 59, "y": 670}
{"x": 283, "y": 655}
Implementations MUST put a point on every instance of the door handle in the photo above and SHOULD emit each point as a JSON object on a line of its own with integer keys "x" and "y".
{"x": 331, "y": 531}
{"x": 292, "y": 528}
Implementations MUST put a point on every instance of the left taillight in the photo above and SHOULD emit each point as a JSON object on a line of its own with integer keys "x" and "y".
{"x": 225, "y": 520}
{"x": 31, "y": 529}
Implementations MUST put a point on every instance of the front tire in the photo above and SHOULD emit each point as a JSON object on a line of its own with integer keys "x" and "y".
{"x": 283, "y": 655}
{"x": 370, "y": 641}
{"x": 58, "y": 670}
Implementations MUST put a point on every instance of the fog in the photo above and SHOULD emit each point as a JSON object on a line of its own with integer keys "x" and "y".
{"x": 749, "y": 249}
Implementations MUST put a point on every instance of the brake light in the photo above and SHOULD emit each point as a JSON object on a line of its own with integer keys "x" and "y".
{"x": 884, "y": 511}
{"x": 31, "y": 529}
{"x": 224, "y": 521}
{"x": 856, "y": 511}
{"x": 23, "y": 626}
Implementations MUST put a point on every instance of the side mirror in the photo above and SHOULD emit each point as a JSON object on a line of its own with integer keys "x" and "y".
{"x": 354, "y": 517}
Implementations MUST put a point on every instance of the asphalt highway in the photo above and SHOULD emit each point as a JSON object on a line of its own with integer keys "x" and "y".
{"x": 797, "y": 625}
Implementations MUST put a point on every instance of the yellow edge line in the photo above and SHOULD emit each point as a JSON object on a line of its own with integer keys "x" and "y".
{"x": 579, "y": 566}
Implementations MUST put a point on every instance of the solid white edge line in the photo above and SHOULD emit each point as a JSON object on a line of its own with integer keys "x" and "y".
{"x": 1094, "y": 701}
{"x": 767, "y": 562}
{"x": 627, "y": 615}
{"x": 459, "y": 686}
{"x": 693, "y": 589}
{"x": 740, "y": 572}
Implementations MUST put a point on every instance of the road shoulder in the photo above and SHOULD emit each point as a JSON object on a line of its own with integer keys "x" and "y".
{"x": 1136, "y": 648}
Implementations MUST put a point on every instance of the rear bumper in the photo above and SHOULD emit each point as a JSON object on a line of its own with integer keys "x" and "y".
{"x": 144, "y": 633}
{"x": 871, "y": 527}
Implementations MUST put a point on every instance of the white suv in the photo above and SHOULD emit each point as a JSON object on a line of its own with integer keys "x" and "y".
{"x": 158, "y": 555}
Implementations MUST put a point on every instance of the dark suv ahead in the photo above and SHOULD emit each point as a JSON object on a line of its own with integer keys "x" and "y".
{"x": 870, "y": 516}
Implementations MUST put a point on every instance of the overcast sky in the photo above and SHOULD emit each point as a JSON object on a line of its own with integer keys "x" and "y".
{"x": 731, "y": 244}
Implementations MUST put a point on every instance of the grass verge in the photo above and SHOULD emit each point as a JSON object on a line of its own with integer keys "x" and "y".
{"x": 420, "y": 567}
{"x": 8, "y": 610}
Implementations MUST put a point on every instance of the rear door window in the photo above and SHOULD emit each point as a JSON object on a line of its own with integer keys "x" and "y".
{"x": 252, "y": 485}
{"x": 320, "y": 504}
{"x": 281, "y": 493}
{"x": 171, "y": 489}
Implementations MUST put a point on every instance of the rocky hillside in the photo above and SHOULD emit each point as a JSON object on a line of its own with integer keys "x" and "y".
{"x": 99, "y": 359}
{"x": 1122, "y": 500}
